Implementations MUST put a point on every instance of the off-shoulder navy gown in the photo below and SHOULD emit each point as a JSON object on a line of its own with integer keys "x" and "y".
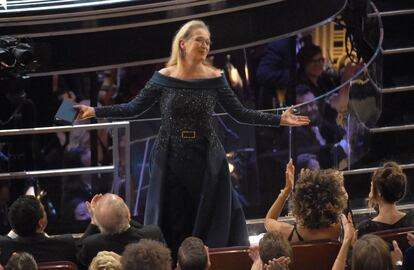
{"x": 190, "y": 192}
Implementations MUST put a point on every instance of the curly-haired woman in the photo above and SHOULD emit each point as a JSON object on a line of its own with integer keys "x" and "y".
{"x": 318, "y": 200}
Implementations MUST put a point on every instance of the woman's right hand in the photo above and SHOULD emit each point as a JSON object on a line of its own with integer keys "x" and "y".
{"x": 85, "y": 112}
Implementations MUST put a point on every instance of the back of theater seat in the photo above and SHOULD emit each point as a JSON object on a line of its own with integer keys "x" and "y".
{"x": 307, "y": 255}
{"x": 230, "y": 258}
{"x": 314, "y": 255}
{"x": 399, "y": 235}
{"x": 57, "y": 265}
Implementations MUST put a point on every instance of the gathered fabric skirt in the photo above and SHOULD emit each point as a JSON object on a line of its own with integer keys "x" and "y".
{"x": 186, "y": 165}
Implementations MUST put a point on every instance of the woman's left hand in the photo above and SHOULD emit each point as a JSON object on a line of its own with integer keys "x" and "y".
{"x": 289, "y": 119}
{"x": 290, "y": 176}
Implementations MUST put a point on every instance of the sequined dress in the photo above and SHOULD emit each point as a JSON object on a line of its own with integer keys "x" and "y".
{"x": 190, "y": 192}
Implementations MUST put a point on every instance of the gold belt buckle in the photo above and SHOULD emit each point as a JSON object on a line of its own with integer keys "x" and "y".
{"x": 186, "y": 134}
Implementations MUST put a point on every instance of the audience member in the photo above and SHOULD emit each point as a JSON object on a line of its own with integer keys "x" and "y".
{"x": 273, "y": 73}
{"x": 193, "y": 255}
{"x": 276, "y": 70}
{"x": 111, "y": 228}
{"x": 370, "y": 252}
{"x": 317, "y": 202}
{"x": 28, "y": 220}
{"x": 146, "y": 255}
{"x": 321, "y": 144}
{"x": 21, "y": 261}
{"x": 274, "y": 252}
{"x": 106, "y": 260}
{"x": 327, "y": 134}
{"x": 350, "y": 236}
{"x": 388, "y": 187}
{"x": 311, "y": 70}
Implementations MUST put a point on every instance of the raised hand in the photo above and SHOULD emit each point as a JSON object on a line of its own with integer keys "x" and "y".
{"x": 410, "y": 238}
{"x": 350, "y": 234}
{"x": 85, "y": 112}
{"x": 396, "y": 254}
{"x": 289, "y": 119}
{"x": 290, "y": 175}
{"x": 92, "y": 206}
{"x": 254, "y": 252}
{"x": 281, "y": 263}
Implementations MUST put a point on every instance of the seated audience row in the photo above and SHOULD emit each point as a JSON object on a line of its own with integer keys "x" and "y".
{"x": 149, "y": 254}
{"x": 319, "y": 198}
{"x": 111, "y": 229}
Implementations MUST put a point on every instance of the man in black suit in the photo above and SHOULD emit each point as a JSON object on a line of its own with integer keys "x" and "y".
{"x": 111, "y": 228}
{"x": 28, "y": 220}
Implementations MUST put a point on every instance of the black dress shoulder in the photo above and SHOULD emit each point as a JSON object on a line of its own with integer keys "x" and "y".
{"x": 370, "y": 226}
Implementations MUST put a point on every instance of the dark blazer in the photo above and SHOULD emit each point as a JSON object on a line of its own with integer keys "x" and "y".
{"x": 93, "y": 241}
{"x": 43, "y": 249}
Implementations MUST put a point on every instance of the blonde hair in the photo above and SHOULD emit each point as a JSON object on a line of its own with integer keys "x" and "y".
{"x": 184, "y": 33}
{"x": 106, "y": 260}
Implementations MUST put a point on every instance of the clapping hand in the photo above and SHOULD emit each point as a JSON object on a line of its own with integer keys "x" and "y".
{"x": 281, "y": 263}
{"x": 410, "y": 238}
{"x": 92, "y": 207}
{"x": 396, "y": 254}
{"x": 350, "y": 234}
{"x": 254, "y": 252}
{"x": 290, "y": 175}
{"x": 290, "y": 119}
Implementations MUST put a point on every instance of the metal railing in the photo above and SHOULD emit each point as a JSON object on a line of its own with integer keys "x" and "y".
{"x": 114, "y": 168}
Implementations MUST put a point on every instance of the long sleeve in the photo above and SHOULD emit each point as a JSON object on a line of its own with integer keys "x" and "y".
{"x": 232, "y": 105}
{"x": 147, "y": 98}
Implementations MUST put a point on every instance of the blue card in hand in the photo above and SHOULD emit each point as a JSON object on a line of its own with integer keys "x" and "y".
{"x": 66, "y": 114}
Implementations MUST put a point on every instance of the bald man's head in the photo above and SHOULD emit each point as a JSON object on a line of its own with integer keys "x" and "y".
{"x": 112, "y": 214}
